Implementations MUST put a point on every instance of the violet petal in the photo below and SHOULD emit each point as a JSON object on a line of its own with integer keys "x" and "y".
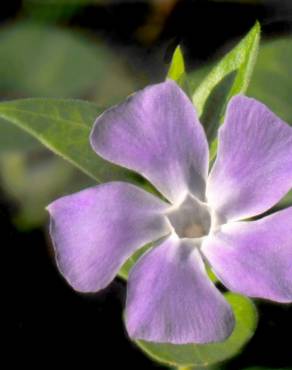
{"x": 96, "y": 230}
{"x": 171, "y": 299}
{"x": 255, "y": 258}
{"x": 253, "y": 169}
{"x": 156, "y": 132}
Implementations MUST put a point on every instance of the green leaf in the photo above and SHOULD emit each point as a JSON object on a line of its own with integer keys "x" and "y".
{"x": 272, "y": 82}
{"x": 64, "y": 127}
{"x": 192, "y": 355}
{"x": 12, "y": 138}
{"x": 229, "y": 77}
{"x": 176, "y": 70}
{"x": 177, "y": 65}
{"x": 42, "y": 60}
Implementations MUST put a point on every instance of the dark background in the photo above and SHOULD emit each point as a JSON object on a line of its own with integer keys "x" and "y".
{"x": 53, "y": 325}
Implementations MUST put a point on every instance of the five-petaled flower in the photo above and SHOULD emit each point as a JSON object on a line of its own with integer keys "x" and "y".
{"x": 203, "y": 219}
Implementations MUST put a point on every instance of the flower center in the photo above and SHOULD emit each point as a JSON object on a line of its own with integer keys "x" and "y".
{"x": 191, "y": 219}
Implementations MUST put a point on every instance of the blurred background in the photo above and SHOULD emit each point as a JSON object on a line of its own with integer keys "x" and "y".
{"x": 103, "y": 50}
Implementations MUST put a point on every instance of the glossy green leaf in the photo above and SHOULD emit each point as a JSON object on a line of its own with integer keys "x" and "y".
{"x": 12, "y": 138}
{"x": 64, "y": 127}
{"x": 229, "y": 77}
{"x": 177, "y": 70}
{"x": 177, "y": 65}
{"x": 192, "y": 355}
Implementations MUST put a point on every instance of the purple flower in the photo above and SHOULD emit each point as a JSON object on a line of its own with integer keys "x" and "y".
{"x": 202, "y": 221}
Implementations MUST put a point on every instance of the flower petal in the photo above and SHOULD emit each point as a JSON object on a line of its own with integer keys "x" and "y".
{"x": 171, "y": 299}
{"x": 96, "y": 230}
{"x": 253, "y": 169}
{"x": 255, "y": 258}
{"x": 156, "y": 133}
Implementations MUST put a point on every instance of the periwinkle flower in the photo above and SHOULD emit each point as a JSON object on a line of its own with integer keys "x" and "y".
{"x": 203, "y": 219}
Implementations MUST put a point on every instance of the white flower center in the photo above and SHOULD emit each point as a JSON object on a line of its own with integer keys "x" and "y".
{"x": 191, "y": 219}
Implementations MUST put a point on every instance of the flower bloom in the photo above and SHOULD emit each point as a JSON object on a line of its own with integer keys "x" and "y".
{"x": 203, "y": 218}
